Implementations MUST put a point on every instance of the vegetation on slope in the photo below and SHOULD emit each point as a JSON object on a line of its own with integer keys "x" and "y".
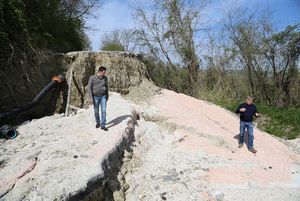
{"x": 27, "y": 26}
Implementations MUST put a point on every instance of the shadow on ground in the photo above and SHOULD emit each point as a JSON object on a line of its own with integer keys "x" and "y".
{"x": 117, "y": 120}
{"x": 237, "y": 137}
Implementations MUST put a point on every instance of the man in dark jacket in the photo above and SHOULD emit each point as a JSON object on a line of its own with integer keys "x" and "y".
{"x": 247, "y": 110}
{"x": 98, "y": 92}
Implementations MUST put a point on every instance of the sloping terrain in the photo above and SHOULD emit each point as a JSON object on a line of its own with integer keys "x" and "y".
{"x": 59, "y": 158}
{"x": 180, "y": 149}
{"x": 191, "y": 154}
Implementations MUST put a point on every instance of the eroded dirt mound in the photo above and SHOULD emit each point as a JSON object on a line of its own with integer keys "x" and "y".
{"x": 21, "y": 84}
{"x": 124, "y": 71}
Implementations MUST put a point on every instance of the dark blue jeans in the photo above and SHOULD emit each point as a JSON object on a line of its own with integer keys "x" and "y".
{"x": 100, "y": 100}
{"x": 249, "y": 126}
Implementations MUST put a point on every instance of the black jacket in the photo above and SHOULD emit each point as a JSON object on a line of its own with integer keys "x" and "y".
{"x": 247, "y": 116}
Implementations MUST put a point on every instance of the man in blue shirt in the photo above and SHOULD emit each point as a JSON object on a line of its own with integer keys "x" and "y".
{"x": 247, "y": 110}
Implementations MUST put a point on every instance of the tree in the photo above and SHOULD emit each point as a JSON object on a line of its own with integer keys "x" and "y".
{"x": 119, "y": 40}
{"x": 167, "y": 30}
{"x": 31, "y": 28}
{"x": 282, "y": 51}
{"x": 267, "y": 56}
{"x": 56, "y": 25}
{"x": 79, "y": 8}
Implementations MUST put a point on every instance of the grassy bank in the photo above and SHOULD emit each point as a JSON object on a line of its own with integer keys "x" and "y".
{"x": 281, "y": 122}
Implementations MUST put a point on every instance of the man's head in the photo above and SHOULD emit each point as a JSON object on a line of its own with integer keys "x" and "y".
{"x": 249, "y": 100}
{"x": 101, "y": 71}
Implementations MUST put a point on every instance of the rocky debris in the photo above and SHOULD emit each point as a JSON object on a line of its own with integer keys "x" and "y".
{"x": 159, "y": 170}
{"x": 143, "y": 92}
{"x": 294, "y": 145}
{"x": 66, "y": 158}
{"x": 147, "y": 112}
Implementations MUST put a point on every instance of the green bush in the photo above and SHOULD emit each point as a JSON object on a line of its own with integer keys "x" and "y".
{"x": 111, "y": 46}
{"x": 281, "y": 122}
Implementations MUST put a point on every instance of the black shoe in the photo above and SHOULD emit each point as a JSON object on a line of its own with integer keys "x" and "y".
{"x": 97, "y": 125}
{"x": 104, "y": 128}
{"x": 253, "y": 150}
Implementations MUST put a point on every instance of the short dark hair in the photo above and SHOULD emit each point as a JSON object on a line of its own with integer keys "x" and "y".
{"x": 101, "y": 68}
{"x": 250, "y": 97}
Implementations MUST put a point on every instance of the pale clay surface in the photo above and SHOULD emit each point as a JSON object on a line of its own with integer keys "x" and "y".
{"x": 57, "y": 156}
{"x": 193, "y": 155}
{"x": 184, "y": 150}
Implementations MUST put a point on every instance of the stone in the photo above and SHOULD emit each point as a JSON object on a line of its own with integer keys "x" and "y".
{"x": 205, "y": 169}
{"x": 163, "y": 196}
{"x": 142, "y": 196}
{"x": 126, "y": 186}
{"x": 219, "y": 196}
{"x": 127, "y": 154}
{"x": 124, "y": 171}
{"x": 118, "y": 196}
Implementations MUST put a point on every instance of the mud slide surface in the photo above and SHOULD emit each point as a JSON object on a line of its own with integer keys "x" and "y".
{"x": 189, "y": 152}
{"x": 180, "y": 149}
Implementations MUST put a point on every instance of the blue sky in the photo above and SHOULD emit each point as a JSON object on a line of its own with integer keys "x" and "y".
{"x": 117, "y": 14}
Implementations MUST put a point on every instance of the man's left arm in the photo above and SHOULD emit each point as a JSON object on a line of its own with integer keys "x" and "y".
{"x": 107, "y": 95}
{"x": 257, "y": 114}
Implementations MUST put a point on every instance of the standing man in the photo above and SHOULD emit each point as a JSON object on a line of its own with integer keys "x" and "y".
{"x": 98, "y": 92}
{"x": 247, "y": 110}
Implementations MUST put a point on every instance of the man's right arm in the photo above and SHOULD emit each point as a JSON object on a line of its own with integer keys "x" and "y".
{"x": 237, "y": 111}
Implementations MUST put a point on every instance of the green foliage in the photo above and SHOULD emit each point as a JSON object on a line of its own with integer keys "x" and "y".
{"x": 112, "y": 46}
{"x": 284, "y": 122}
{"x": 13, "y": 28}
{"x": 26, "y": 25}
{"x": 167, "y": 76}
{"x": 268, "y": 57}
{"x": 281, "y": 122}
{"x": 53, "y": 28}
